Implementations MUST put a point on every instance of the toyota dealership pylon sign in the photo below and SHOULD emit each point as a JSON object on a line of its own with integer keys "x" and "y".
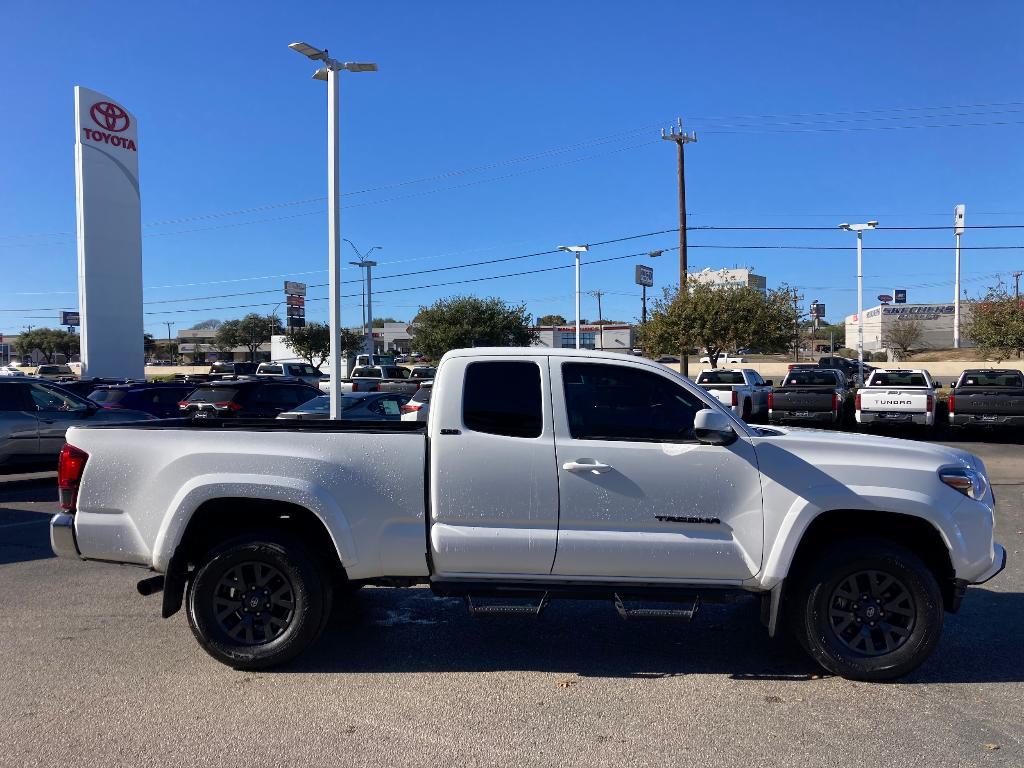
{"x": 109, "y": 236}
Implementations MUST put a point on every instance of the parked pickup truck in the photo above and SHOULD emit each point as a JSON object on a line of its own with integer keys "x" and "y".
{"x": 591, "y": 475}
{"x": 368, "y": 378}
{"x": 987, "y": 398}
{"x": 741, "y": 389}
{"x": 897, "y": 396}
{"x": 418, "y": 376}
{"x": 809, "y": 395}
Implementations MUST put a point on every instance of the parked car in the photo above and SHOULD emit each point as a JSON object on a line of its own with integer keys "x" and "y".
{"x": 725, "y": 359}
{"x": 302, "y": 371}
{"x": 667, "y": 359}
{"x": 159, "y": 399}
{"x": 11, "y": 370}
{"x": 85, "y": 387}
{"x": 816, "y": 395}
{"x": 897, "y": 396}
{"x": 991, "y": 397}
{"x": 245, "y": 399}
{"x": 55, "y": 372}
{"x": 355, "y": 406}
{"x": 401, "y": 358}
{"x": 418, "y": 406}
{"x": 226, "y": 368}
{"x": 584, "y": 475}
{"x": 847, "y": 365}
{"x": 372, "y": 378}
{"x": 740, "y": 389}
{"x": 34, "y": 415}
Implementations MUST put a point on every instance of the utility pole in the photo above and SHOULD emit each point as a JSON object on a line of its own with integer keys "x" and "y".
{"x": 1016, "y": 286}
{"x": 681, "y": 139}
{"x": 600, "y": 317}
{"x": 168, "y": 323}
{"x": 797, "y": 298}
{"x": 958, "y": 229}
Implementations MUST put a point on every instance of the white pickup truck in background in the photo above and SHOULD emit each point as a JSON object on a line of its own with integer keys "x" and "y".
{"x": 585, "y": 475}
{"x": 740, "y": 389}
{"x": 897, "y": 396}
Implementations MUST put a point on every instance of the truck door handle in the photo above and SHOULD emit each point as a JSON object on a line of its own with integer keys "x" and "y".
{"x": 587, "y": 465}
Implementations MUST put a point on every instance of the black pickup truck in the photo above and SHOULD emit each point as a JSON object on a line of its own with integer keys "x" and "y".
{"x": 815, "y": 395}
{"x": 987, "y": 398}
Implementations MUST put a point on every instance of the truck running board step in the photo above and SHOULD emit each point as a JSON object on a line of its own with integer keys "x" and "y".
{"x": 507, "y": 609}
{"x": 684, "y": 614}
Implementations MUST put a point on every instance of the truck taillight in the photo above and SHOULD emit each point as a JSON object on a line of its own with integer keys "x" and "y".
{"x": 410, "y": 408}
{"x": 856, "y": 402}
{"x": 952, "y": 404}
{"x": 183, "y": 404}
{"x": 771, "y": 401}
{"x": 835, "y": 403}
{"x": 227, "y": 406}
{"x": 735, "y": 397}
{"x": 931, "y": 404}
{"x": 69, "y": 475}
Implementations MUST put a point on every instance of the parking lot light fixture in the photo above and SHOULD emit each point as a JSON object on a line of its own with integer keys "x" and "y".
{"x": 329, "y": 72}
{"x": 576, "y": 250}
{"x": 859, "y": 229}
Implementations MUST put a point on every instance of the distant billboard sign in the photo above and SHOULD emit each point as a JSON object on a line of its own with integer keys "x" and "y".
{"x": 885, "y": 298}
{"x": 296, "y": 301}
{"x": 817, "y": 309}
{"x": 70, "y": 318}
{"x": 296, "y": 322}
{"x": 294, "y": 289}
{"x": 644, "y": 275}
{"x": 900, "y": 295}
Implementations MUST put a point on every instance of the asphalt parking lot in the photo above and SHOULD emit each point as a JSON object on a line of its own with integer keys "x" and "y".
{"x": 90, "y": 675}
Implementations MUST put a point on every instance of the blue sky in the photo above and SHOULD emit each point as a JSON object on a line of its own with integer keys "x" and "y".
{"x": 495, "y": 130}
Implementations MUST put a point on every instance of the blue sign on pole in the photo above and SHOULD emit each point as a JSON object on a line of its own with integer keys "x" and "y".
{"x": 900, "y": 295}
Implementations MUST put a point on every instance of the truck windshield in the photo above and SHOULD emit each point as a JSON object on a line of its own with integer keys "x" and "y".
{"x": 367, "y": 373}
{"x": 993, "y": 379}
{"x": 810, "y": 378}
{"x": 898, "y": 379}
{"x": 721, "y": 377}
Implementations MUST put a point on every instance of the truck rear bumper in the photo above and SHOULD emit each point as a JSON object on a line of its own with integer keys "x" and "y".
{"x": 985, "y": 420}
{"x": 62, "y": 536}
{"x": 886, "y": 417}
{"x": 781, "y": 417}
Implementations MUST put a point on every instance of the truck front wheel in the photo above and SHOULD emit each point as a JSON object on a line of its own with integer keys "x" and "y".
{"x": 258, "y": 601}
{"x": 868, "y": 609}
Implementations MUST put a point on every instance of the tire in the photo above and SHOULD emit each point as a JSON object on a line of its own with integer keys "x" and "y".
{"x": 832, "y": 621}
{"x": 746, "y": 411}
{"x": 249, "y": 574}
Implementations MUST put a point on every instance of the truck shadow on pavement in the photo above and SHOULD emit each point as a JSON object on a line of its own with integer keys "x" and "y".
{"x": 25, "y": 532}
{"x": 409, "y": 630}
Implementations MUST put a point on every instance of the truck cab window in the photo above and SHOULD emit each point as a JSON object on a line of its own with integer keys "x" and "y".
{"x": 503, "y": 398}
{"x": 613, "y": 402}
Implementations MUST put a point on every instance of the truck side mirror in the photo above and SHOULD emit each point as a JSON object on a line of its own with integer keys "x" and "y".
{"x": 769, "y": 382}
{"x": 712, "y": 427}
{"x": 937, "y": 385}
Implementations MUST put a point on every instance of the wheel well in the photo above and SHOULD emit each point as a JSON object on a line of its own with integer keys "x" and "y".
{"x": 220, "y": 519}
{"x": 914, "y": 533}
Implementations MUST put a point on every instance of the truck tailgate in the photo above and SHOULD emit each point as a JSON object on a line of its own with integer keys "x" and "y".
{"x": 803, "y": 399}
{"x": 895, "y": 400}
{"x": 989, "y": 401}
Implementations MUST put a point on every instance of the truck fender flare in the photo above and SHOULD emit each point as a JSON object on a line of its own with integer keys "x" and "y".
{"x": 803, "y": 512}
{"x": 204, "y": 488}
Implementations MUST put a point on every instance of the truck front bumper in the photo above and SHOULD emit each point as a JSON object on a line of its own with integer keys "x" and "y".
{"x": 62, "y": 536}
{"x": 998, "y": 564}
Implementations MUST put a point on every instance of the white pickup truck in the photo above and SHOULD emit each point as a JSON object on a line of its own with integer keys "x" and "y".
{"x": 741, "y": 389}
{"x": 897, "y": 396}
{"x": 584, "y": 475}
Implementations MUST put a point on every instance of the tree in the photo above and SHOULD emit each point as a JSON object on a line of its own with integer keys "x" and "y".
{"x": 467, "y": 321}
{"x": 717, "y": 318}
{"x": 904, "y": 336}
{"x": 228, "y": 337}
{"x": 378, "y": 322}
{"x": 351, "y": 341}
{"x": 66, "y": 343}
{"x": 49, "y": 342}
{"x": 207, "y": 325}
{"x": 551, "y": 320}
{"x": 249, "y": 332}
{"x": 997, "y": 323}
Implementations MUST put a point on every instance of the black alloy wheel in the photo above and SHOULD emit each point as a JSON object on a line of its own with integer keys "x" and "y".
{"x": 871, "y": 612}
{"x": 255, "y": 603}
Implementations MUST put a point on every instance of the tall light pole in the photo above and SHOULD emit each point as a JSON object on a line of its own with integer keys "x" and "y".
{"x": 367, "y": 294}
{"x": 576, "y": 250}
{"x": 600, "y": 317}
{"x": 859, "y": 229}
{"x": 329, "y": 72}
{"x": 643, "y": 299}
{"x": 958, "y": 229}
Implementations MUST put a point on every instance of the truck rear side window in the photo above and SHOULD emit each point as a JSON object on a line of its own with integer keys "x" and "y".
{"x": 615, "y": 402}
{"x": 503, "y": 398}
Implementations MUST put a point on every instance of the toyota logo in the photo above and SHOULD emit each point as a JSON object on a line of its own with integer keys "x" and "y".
{"x": 110, "y": 116}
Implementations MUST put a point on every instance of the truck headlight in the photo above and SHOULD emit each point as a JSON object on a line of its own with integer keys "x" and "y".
{"x": 970, "y": 482}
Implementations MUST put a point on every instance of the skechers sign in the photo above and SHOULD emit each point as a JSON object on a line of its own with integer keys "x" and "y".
{"x": 113, "y": 120}
{"x": 917, "y": 311}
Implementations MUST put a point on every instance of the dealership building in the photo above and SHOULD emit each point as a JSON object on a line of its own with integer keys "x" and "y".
{"x": 936, "y": 323}
{"x": 616, "y": 338}
{"x": 741, "y": 277}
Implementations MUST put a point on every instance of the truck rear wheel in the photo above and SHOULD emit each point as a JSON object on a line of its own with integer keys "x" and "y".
{"x": 258, "y": 601}
{"x": 868, "y": 609}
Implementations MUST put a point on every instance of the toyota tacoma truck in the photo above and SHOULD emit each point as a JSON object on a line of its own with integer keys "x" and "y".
{"x": 895, "y": 397}
{"x": 809, "y": 395}
{"x": 591, "y": 475}
{"x": 741, "y": 389}
{"x": 987, "y": 398}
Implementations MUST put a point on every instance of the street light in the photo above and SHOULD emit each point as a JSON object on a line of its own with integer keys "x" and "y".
{"x": 366, "y": 323}
{"x": 329, "y": 72}
{"x": 859, "y": 229}
{"x": 576, "y": 250}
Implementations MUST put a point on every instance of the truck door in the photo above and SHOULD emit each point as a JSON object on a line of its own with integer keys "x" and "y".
{"x": 493, "y": 481}
{"x": 640, "y": 497}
